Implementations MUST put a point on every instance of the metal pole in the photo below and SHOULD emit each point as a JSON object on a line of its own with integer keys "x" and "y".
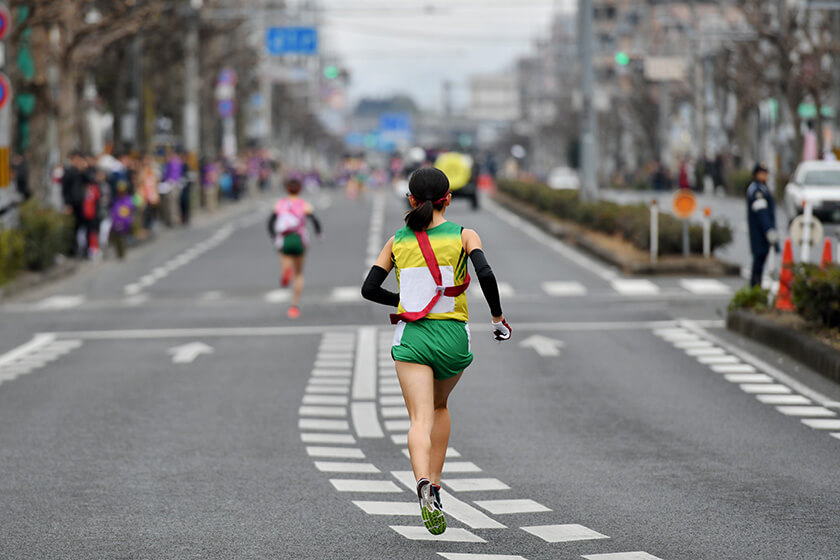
{"x": 685, "y": 240}
{"x": 654, "y": 232}
{"x": 707, "y": 233}
{"x": 192, "y": 124}
{"x": 808, "y": 223}
{"x": 587, "y": 119}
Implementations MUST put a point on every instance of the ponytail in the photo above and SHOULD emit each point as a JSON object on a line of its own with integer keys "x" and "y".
{"x": 420, "y": 217}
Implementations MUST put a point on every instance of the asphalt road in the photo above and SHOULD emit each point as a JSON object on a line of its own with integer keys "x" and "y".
{"x": 165, "y": 407}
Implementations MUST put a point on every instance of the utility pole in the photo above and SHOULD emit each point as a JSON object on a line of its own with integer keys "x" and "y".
{"x": 192, "y": 125}
{"x": 587, "y": 118}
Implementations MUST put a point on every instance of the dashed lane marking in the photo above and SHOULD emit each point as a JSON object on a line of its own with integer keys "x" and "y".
{"x": 331, "y": 372}
{"x": 766, "y": 388}
{"x": 325, "y": 399}
{"x": 328, "y": 411}
{"x": 397, "y": 425}
{"x": 705, "y": 286}
{"x": 278, "y": 296}
{"x": 822, "y": 424}
{"x": 635, "y": 287}
{"x": 38, "y": 352}
{"x": 782, "y": 399}
{"x": 708, "y": 360}
{"x": 748, "y": 378}
{"x": 564, "y": 289}
{"x": 564, "y": 533}
{"x": 339, "y": 467}
{"x": 58, "y": 303}
{"x": 451, "y": 535}
{"x": 346, "y": 294}
{"x": 453, "y": 467}
{"x": 733, "y": 368}
{"x": 335, "y": 381}
{"x": 501, "y": 507}
{"x": 368, "y": 486}
{"x": 394, "y": 412}
{"x": 622, "y": 556}
{"x": 451, "y": 452}
{"x": 328, "y": 389}
{"x": 325, "y": 425}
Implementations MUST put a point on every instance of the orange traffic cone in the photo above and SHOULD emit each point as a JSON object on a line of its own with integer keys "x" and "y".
{"x": 827, "y": 259}
{"x": 783, "y": 300}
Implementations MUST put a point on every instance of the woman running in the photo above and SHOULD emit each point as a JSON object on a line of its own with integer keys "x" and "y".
{"x": 431, "y": 345}
{"x": 287, "y": 226}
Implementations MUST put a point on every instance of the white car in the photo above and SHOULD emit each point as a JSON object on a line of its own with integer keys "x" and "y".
{"x": 563, "y": 178}
{"x": 818, "y": 182}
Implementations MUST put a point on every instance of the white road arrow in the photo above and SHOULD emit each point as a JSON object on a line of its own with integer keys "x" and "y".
{"x": 187, "y": 353}
{"x": 544, "y": 346}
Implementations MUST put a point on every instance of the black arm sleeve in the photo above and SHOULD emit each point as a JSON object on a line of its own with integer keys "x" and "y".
{"x": 271, "y": 220}
{"x": 372, "y": 288}
{"x": 315, "y": 223}
{"x": 487, "y": 280}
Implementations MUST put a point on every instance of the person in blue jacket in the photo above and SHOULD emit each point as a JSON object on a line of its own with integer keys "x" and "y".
{"x": 761, "y": 217}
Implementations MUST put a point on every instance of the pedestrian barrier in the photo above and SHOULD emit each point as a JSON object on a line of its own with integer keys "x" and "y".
{"x": 783, "y": 299}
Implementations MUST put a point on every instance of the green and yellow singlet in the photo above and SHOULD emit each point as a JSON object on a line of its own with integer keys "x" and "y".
{"x": 417, "y": 287}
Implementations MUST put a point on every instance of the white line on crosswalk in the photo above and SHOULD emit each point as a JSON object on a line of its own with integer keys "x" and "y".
{"x": 822, "y": 424}
{"x": 339, "y": 467}
{"x": 692, "y": 344}
{"x": 400, "y": 439}
{"x": 460, "y": 467}
{"x": 766, "y": 388}
{"x": 564, "y": 289}
{"x": 327, "y": 438}
{"x": 326, "y": 425}
{"x": 328, "y": 389}
{"x": 638, "y": 555}
{"x": 346, "y": 294}
{"x": 783, "y": 399}
{"x": 451, "y": 535}
{"x": 391, "y": 401}
{"x": 388, "y": 508}
{"x": 564, "y": 533}
{"x": 475, "y": 484}
{"x": 57, "y": 303}
{"x": 370, "y": 486}
{"x": 708, "y": 360}
{"x": 278, "y": 296}
{"x": 466, "y": 556}
{"x": 323, "y": 411}
{"x": 705, "y": 351}
{"x": 333, "y": 364}
{"x": 390, "y": 390}
{"x": 748, "y": 378}
{"x": 451, "y": 453}
{"x": 394, "y": 412}
{"x": 733, "y": 368}
{"x": 635, "y": 287}
{"x": 331, "y": 372}
{"x": 808, "y": 411}
{"x": 335, "y": 452}
{"x": 511, "y": 506}
{"x": 329, "y": 381}
{"x": 397, "y": 425}
{"x": 705, "y": 286}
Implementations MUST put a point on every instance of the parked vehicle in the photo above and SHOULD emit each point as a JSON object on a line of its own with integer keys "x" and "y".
{"x": 818, "y": 182}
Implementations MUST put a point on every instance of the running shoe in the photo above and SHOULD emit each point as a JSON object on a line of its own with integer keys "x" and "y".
{"x": 293, "y": 312}
{"x": 430, "y": 509}
{"x": 287, "y": 277}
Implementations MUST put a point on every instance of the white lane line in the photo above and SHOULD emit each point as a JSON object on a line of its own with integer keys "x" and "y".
{"x": 136, "y": 300}
{"x": 705, "y": 286}
{"x": 329, "y": 372}
{"x": 334, "y": 356}
{"x": 364, "y": 379}
{"x": 416, "y": 533}
{"x": 325, "y": 425}
{"x": 766, "y": 388}
{"x": 335, "y": 452}
{"x": 328, "y": 389}
{"x": 323, "y": 411}
{"x": 465, "y": 556}
{"x": 822, "y": 424}
{"x": 505, "y": 290}
{"x": 807, "y": 411}
{"x": 132, "y": 289}
{"x": 460, "y": 467}
{"x": 36, "y": 343}
{"x": 339, "y": 467}
{"x": 501, "y": 507}
{"x": 394, "y": 412}
{"x": 475, "y": 484}
{"x": 388, "y": 508}
{"x": 397, "y": 425}
{"x": 671, "y": 331}
{"x": 333, "y": 364}
{"x": 337, "y": 439}
{"x": 389, "y": 381}
{"x": 57, "y": 303}
{"x": 733, "y": 368}
{"x": 635, "y": 287}
{"x": 748, "y": 378}
{"x": 370, "y": 486}
{"x": 835, "y": 435}
{"x": 783, "y": 399}
{"x": 709, "y": 360}
{"x": 329, "y": 381}
{"x": 462, "y": 511}
{"x": 365, "y": 421}
{"x": 564, "y": 533}
{"x": 706, "y": 351}
{"x": 325, "y": 399}
{"x": 638, "y": 555}
{"x": 552, "y": 243}
{"x": 767, "y": 368}
{"x": 278, "y": 296}
{"x": 564, "y": 289}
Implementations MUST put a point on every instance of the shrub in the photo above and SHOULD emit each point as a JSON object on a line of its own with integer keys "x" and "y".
{"x": 11, "y": 254}
{"x": 46, "y": 233}
{"x": 631, "y": 222}
{"x": 755, "y": 298}
{"x": 737, "y": 181}
{"x": 816, "y": 294}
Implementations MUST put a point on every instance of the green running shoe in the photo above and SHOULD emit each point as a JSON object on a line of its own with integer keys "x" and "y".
{"x": 430, "y": 508}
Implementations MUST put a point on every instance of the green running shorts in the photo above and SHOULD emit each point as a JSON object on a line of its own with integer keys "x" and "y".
{"x": 292, "y": 245}
{"x": 444, "y": 345}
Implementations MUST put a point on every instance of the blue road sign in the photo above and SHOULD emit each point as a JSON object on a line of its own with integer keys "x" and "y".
{"x": 395, "y": 124}
{"x": 291, "y": 40}
{"x": 226, "y": 108}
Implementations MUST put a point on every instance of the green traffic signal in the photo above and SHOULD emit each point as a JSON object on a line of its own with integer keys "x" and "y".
{"x": 622, "y": 58}
{"x": 331, "y": 72}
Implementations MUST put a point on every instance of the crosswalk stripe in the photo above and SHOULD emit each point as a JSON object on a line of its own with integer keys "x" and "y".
{"x": 329, "y": 381}
{"x": 705, "y": 286}
{"x": 397, "y": 425}
{"x": 465, "y": 556}
{"x": 511, "y": 506}
{"x": 699, "y": 343}
{"x": 400, "y": 439}
{"x": 394, "y": 412}
{"x": 733, "y": 368}
{"x": 564, "y": 289}
{"x": 326, "y": 425}
{"x": 635, "y": 287}
{"x": 748, "y": 378}
{"x": 460, "y": 467}
{"x": 451, "y": 453}
{"x": 319, "y": 411}
{"x": 327, "y": 438}
{"x": 371, "y": 486}
{"x": 391, "y": 401}
{"x": 388, "y": 508}
{"x": 390, "y": 390}
{"x": 822, "y": 424}
{"x": 278, "y": 296}
{"x": 339, "y": 467}
{"x": 331, "y": 372}
{"x": 809, "y": 411}
{"x": 328, "y": 389}
{"x": 705, "y": 351}
{"x": 638, "y": 555}
{"x": 335, "y": 452}
{"x": 767, "y": 388}
{"x": 783, "y": 399}
{"x": 451, "y": 535}
{"x": 505, "y": 290}
{"x": 475, "y": 484}
{"x": 333, "y": 364}
{"x": 55, "y": 303}
{"x": 346, "y": 294}
{"x": 726, "y": 359}
{"x": 564, "y": 533}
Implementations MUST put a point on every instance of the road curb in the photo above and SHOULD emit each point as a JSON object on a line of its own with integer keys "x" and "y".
{"x": 799, "y": 345}
{"x": 578, "y": 236}
{"x": 30, "y": 280}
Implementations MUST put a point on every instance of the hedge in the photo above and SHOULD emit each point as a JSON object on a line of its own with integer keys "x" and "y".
{"x": 631, "y": 222}
{"x": 46, "y": 234}
{"x": 816, "y": 294}
{"x": 11, "y": 254}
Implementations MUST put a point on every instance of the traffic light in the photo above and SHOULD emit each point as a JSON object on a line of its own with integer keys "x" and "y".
{"x": 622, "y": 58}
{"x": 331, "y": 72}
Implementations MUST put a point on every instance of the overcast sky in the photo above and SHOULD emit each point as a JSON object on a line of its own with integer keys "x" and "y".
{"x": 413, "y": 46}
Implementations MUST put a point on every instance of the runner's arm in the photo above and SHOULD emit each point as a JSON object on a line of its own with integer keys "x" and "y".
{"x": 486, "y": 278}
{"x": 271, "y": 220}
{"x": 315, "y": 223}
{"x": 372, "y": 288}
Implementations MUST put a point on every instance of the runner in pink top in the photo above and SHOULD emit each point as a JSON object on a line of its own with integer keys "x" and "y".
{"x": 287, "y": 227}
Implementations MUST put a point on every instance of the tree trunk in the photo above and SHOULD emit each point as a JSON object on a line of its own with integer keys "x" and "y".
{"x": 68, "y": 109}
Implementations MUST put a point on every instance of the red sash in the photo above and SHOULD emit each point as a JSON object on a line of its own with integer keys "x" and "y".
{"x": 449, "y": 291}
